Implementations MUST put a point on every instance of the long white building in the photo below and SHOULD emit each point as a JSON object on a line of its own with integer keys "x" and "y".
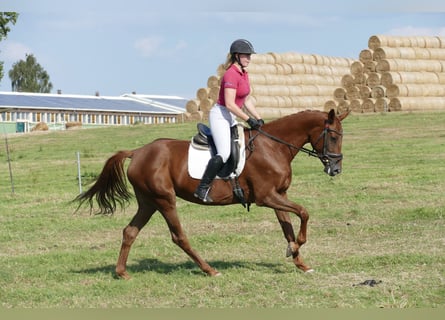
{"x": 20, "y": 112}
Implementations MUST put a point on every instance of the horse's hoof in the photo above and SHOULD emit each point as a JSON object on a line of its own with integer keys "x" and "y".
{"x": 123, "y": 275}
{"x": 309, "y": 271}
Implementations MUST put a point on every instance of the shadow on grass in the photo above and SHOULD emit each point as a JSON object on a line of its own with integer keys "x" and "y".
{"x": 154, "y": 265}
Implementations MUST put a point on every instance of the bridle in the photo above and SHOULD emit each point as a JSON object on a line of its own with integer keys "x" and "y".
{"x": 326, "y": 157}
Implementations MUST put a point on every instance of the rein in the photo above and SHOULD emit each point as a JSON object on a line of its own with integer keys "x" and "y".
{"x": 312, "y": 152}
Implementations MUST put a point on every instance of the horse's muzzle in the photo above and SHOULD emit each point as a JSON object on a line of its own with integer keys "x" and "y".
{"x": 332, "y": 163}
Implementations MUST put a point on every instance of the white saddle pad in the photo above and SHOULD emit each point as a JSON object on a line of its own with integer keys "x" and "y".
{"x": 198, "y": 159}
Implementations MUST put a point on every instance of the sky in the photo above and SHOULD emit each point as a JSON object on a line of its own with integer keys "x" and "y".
{"x": 172, "y": 47}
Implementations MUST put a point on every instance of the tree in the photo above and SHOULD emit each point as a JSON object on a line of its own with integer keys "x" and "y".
{"x": 29, "y": 76}
{"x": 5, "y": 19}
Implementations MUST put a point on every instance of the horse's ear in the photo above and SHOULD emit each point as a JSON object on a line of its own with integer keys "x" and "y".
{"x": 331, "y": 116}
{"x": 344, "y": 115}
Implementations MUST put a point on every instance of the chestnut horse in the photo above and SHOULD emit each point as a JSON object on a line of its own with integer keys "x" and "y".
{"x": 158, "y": 173}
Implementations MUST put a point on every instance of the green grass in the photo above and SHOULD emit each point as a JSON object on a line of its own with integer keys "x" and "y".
{"x": 382, "y": 219}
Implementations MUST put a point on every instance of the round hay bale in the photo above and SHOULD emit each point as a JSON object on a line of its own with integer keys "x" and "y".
{"x": 196, "y": 116}
{"x": 278, "y": 90}
{"x": 435, "y": 53}
{"x": 262, "y": 68}
{"x": 192, "y": 105}
{"x": 357, "y": 68}
{"x": 205, "y": 105}
{"x": 415, "y": 90}
{"x": 314, "y": 102}
{"x": 261, "y": 90}
{"x": 269, "y": 113}
{"x": 347, "y": 81}
{"x": 340, "y": 93}
{"x": 380, "y": 53}
{"x": 266, "y": 101}
{"x": 257, "y": 78}
{"x": 395, "y": 104}
{"x": 214, "y": 93}
{"x": 385, "y": 65}
{"x": 422, "y": 53}
{"x": 392, "y": 90}
{"x": 365, "y": 91}
{"x": 284, "y": 68}
{"x": 356, "y": 105}
{"x": 415, "y": 65}
{"x": 73, "y": 125}
{"x": 383, "y": 53}
{"x": 388, "y": 77}
{"x": 365, "y": 55}
{"x": 213, "y": 81}
{"x": 202, "y": 93}
{"x": 377, "y": 41}
{"x": 295, "y": 90}
{"x": 309, "y": 59}
{"x": 339, "y": 70}
{"x": 220, "y": 70}
{"x": 284, "y": 101}
{"x": 420, "y": 77}
{"x": 369, "y": 66}
{"x": 352, "y": 92}
{"x": 368, "y": 105}
{"x": 274, "y": 79}
{"x": 330, "y": 104}
{"x": 440, "y": 77}
{"x": 360, "y": 79}
{"x": 263, "y": 58}
{"x": 294, "y": 79}
{"x": 378, "y": 92}
{"x": 41, "y": 126}
{"x": 292, "y": 57}
{"x": 417, "y": 103}
{"x": 297, "y": 68}
{"x": 343, "y": 106}
{"x": 381, "y": 104}
{"x": 373, "y": 79}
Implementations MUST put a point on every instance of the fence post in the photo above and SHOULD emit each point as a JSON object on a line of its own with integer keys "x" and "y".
{"x": 9, "y": 163}
{"x": 79, "y": 177}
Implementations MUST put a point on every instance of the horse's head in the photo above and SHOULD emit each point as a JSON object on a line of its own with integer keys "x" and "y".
{"x": 328, "y": 142}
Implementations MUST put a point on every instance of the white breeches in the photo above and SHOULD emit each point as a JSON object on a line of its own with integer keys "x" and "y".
{"x": 221, "y": 120}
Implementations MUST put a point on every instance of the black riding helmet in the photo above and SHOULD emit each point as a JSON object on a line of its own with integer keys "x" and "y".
{"x": 241, "y": 46}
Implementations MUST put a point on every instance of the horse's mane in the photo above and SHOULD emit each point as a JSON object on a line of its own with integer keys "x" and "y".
{"x": 297, "y": 114}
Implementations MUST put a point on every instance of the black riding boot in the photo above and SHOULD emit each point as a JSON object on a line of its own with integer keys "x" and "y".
{"x": 202, "y": 192}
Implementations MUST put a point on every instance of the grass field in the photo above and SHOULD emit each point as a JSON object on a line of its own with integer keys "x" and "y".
{"x": 382, "y": 219}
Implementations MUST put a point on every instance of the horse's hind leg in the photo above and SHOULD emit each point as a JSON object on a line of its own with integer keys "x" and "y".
{"x": 130, "y": 233}
{"x": 180, "y": 239}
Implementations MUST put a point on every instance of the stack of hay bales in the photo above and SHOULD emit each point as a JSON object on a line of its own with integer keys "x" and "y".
{"x": 395, "y": 73}
{"x": 281, "y": 84}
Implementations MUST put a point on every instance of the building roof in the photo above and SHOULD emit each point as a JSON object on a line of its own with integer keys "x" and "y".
{"x": 125, "y": 103}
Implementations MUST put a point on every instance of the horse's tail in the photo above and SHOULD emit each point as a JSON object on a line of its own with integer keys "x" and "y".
{"x": 110, "y": 188}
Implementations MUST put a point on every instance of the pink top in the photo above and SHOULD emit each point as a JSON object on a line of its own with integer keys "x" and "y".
{"x": 235, "y": 79}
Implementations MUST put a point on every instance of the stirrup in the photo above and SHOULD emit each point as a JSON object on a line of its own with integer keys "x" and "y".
{"x": 203, "y": 194}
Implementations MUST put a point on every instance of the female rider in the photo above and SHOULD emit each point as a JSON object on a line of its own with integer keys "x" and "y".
{"x": 233, "y": 95}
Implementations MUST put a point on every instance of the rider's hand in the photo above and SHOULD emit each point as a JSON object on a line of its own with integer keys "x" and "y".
{"x": 253, "y": 123}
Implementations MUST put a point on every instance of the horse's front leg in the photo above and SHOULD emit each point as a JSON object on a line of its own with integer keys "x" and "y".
{"x": 294, "y": 244}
